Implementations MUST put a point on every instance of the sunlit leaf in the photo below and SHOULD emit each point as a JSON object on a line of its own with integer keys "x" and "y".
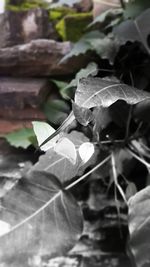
{"x": 86, "y": 150}
{"x": 59, "y": 165}
{"x": 42, "y": 131}
{"x": 66, "y": 148}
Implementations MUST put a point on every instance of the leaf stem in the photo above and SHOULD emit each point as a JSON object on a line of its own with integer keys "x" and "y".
{"x": 88, "y": 173}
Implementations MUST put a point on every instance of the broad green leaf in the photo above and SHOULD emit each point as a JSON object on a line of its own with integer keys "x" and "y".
{"x": 139, "y": 227}
{"x": 20, "y": 138}
{"x": 86, "y": 150}
{"x": 59, "y": 165}
{"x": 93, "y": 92}
{"x": 44, "y": 218}
{"x": 135, "y": 30}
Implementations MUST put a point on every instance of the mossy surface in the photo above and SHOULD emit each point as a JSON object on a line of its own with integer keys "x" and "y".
{"x": 58, "y": 13}
{"x": 26, "y": 5}
{"x": 72, "y": 27}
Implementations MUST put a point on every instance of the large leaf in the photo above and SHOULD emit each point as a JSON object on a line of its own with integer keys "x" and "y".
{"x": 60, "y": 165}
{"x": 139, "y": 227}
{"x": 93, "y": 92}
{"x": 135, "y": 30}
{"x": 43, "y": 218}
{"x": 105, "y": 46}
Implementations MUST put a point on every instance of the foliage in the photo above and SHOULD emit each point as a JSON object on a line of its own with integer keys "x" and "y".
{"x": 106, "y": 135}
{"x": 21, "y": 138}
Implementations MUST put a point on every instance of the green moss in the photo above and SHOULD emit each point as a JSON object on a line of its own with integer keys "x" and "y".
{"x": 26, "y": 5}
{"x": 59, "y": 13}
{"x": 72, "y": 27}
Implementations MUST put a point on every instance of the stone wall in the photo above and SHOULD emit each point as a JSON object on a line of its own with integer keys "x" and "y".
{"x": 29, "y": 57}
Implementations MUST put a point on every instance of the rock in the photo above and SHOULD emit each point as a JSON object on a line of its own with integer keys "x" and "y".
{"x": 72, "y": 27}
{"x": 18, "y": 93}
{"x": 39, "y": 58}
{"x": 22, "y": 27}
{"x": 24, "y": 114}
{"x": 8, "y": 126}
{"x": 84, "y": 6}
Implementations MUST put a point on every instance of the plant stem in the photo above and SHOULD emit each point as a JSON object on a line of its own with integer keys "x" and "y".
{"x": 88, "y": 173}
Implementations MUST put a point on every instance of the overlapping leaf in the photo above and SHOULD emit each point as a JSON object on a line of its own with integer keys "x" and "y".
{"x": 139, "y": 227}
{"x": 93, "y": 92}
{"x": 135, "y": 30}
{"x": 107, "y": 17}
{"x": 43, "y": 218}
{"x": 61, "y": 166}
{"x": 105, "y": 46}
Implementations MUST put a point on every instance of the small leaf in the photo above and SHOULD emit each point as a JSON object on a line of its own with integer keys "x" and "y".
{"x": 82, "y": 115}
{"x": 66, "y": 148}
{"x": 43, "y": 130}
{"x": 86, "y": 150}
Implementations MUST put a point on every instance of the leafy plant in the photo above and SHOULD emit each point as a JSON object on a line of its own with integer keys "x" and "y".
{"x": 106, "y": 135}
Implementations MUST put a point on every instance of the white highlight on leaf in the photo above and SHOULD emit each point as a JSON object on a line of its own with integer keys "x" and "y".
{"x": 4, "y": 227}
{"x": 42, "y": 131}
{"x": 86, "y": 150}
{"x": 67, "y": 149}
